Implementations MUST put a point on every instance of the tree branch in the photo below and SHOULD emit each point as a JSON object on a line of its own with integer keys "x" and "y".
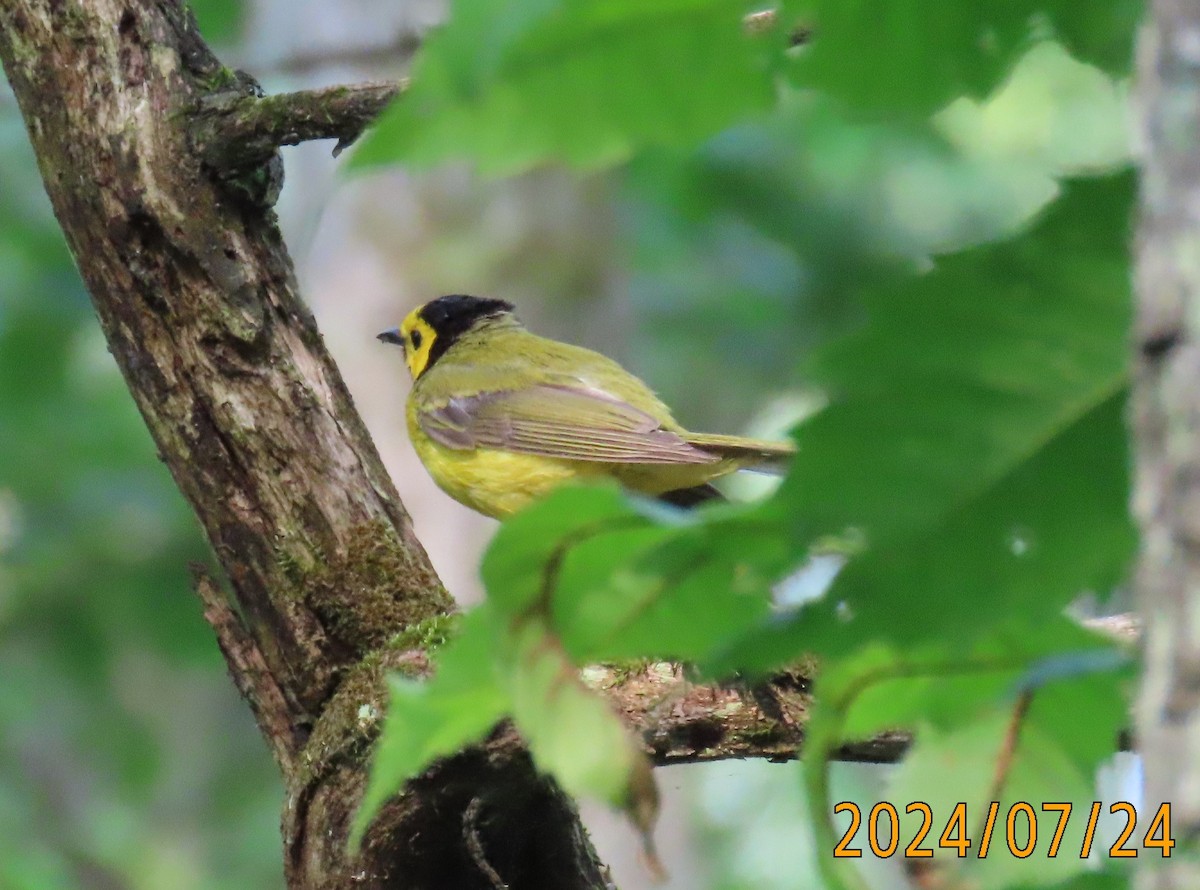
{"x": 685, "y": 722}
{"x": 237, "y": 129}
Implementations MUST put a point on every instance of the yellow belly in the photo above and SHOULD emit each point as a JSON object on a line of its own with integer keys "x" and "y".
{"x": 499, "y": 483}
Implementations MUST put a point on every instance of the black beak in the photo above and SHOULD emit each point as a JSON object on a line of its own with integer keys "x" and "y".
{"x": 391, "y": 335}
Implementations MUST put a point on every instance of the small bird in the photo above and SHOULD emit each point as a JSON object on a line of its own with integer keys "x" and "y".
{"x": 500, "y": 416}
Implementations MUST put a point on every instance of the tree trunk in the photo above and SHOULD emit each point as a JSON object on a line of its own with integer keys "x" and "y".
{"x": 1166, "y": 427}
{"x": 197, "y": 297}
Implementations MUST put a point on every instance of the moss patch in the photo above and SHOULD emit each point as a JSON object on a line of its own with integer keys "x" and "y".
{"x": 428, "y": 634}
{"x": 341, "y": 731}
{"x": 372, "y": 591}
{"x": 222, "y": 79}
{"x": 354, "y": 715}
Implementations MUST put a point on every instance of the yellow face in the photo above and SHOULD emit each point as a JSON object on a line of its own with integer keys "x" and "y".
{"x": 429, "y": 330}
{"x": 419, "y": 337}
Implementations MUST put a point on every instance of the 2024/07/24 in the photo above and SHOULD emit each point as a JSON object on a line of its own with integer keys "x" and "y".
{"x": 1020, "y": 830}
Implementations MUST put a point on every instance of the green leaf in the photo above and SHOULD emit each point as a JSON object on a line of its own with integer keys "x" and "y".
{"x": 963, "y": 373}
{"x": 1102, "y": 35}
{"x": 500, "y": 665}
{"x": 434, "y": 718}
{"x": 1012, "y": 556}
{"x": 572, "y": 732}
{"x": 615, "y": 585}
{"x": 1083, "y": 715}
{"x": 975, "y": 440}
{"x": 911, "y": 60}
{"x": 219, "y": 20}
{"x": 997, "y": 725}
{"x": 510, "y": 85}
{"x": 668, "y": 593}
{"x": 934, "y": 685}
{"x": 522, "y": 564}
{"x": 1115, "y": 874}
{"x": 944, "y": 769}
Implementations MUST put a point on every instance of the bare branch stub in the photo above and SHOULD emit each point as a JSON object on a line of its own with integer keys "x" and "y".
{"x": 236, "y": 128}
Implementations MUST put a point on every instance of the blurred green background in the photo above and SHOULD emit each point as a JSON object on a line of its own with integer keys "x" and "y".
{"x": 711, "y": 268}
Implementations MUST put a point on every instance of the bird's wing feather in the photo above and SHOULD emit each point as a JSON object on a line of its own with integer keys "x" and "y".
{"x": 575, "y": 423}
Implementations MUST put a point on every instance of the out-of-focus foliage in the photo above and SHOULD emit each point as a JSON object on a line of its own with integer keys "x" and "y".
{"x": 220, "y": 21}
{"x": 609, "y": 78}
{"x": 990, "y": 379}
{"x": 897, "y": 234}
{"x": 722, "y": 256}
{"x": 126, "y": 757}
{"x": 909, "y": 58}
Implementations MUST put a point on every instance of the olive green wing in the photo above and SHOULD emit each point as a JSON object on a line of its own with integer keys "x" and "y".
{"x": 574, "y": 423}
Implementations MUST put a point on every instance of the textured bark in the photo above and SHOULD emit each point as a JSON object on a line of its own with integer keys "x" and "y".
{"x": 1166, "y": 425}
{"x": 237, "y": 129}
{"x": 198, "y": 300}
{"x": 197, "y": 297}
{"x": 684, "y": 722}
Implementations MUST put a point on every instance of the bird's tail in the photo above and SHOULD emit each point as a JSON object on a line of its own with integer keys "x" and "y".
{"x": 750, "y": 454}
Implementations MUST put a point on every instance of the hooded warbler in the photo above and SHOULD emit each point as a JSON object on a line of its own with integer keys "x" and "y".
{"x": 500, "y": 416}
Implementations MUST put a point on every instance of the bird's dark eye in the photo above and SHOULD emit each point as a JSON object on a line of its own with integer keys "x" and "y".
{"x": 415, "y": 337}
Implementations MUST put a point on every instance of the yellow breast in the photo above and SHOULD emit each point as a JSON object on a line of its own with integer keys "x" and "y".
{"x": 495, "y": 483}
{"x": 499, "y": 483}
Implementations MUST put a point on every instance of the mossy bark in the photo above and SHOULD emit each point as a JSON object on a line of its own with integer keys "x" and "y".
{"x": 197, "y": 297}
{"x": 238, "y": 129}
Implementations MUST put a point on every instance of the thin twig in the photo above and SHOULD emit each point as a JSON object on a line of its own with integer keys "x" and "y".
{"x": 1008, "y": 749}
